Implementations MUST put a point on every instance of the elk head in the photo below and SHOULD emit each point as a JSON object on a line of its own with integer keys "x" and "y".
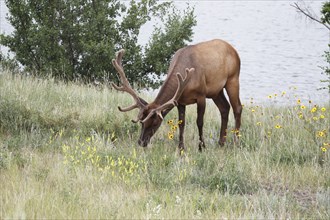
{"x": 150, "y": 115}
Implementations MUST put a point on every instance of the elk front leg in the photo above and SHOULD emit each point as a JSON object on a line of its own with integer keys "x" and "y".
{"x": 200, "y": 121}
{"x": 182, "y": 114}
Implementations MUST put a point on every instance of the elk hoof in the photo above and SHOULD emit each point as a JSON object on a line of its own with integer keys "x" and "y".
{"x": 222, "y": 141}
{"x": 181, "y": 151}
{"x": 201, "y": 146}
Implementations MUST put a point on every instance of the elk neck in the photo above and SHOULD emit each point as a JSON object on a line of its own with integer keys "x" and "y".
{"x": 167, "y": 90}
{"x": 180, "y": 61}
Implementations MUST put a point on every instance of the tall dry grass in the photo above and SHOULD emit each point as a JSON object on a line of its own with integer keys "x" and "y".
{"x": 66, "y": 152}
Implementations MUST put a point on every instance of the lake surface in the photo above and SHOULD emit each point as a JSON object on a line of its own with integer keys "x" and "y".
{"x": 279, "y": 48}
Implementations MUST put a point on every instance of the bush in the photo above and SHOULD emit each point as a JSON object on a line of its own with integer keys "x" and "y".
{"x": 77, "y": 39}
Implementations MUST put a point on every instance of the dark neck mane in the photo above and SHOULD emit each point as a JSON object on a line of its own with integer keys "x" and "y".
{"x": 167, "y": 90}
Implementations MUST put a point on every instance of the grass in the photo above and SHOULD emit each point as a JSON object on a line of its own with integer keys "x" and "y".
{"x": 67, "y": 152}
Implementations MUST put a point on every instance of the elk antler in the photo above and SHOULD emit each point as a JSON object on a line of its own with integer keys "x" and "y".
{"x": 126, "y": 87}
{"x": 174, "y": 101}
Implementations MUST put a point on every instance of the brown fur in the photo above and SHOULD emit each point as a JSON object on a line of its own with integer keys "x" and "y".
{"x": 216, "y": 67}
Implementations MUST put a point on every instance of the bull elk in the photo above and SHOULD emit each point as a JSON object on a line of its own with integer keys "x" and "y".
{"x": 196, "y": 72}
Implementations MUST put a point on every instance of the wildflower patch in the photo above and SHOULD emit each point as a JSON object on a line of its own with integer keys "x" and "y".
{"x": 85, "y": 154}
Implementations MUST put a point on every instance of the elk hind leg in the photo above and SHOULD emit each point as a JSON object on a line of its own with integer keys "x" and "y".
{"x": 224, "y": 107}
{"x": 232, "y": 88}
{"x": 200, "y": 121}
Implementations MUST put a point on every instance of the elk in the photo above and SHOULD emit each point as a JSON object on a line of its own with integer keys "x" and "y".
{"x": 196, "y": 72}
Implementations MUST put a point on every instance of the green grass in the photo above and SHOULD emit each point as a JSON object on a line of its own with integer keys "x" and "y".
{"x": 67, "y": 152}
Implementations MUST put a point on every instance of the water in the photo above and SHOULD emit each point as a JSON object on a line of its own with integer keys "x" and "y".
{"x": 279, "y": 48}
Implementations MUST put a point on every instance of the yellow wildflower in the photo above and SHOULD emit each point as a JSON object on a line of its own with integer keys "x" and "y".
{"x": 270, "y": 96}
{"x": 323, "y": 149}
{"x": 323, "y": 109}
{"x": 174, "y": 127}
{"x": 313, "y": 109}
{"x": 180, "y": 122}
{"x": 170, "y": 122}
{"x": 320, "y": 134}
{"x": 170, "y": 135}
{"x": 302, "y": 107}
{"x": 298, "y": 101}
{"x": 278, "y": 126}
{"x": 315, "y": 118}
{"x": 259, "y": 123}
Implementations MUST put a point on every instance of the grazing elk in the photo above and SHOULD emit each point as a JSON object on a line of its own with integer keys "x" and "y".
{"x": 196, "y": 72}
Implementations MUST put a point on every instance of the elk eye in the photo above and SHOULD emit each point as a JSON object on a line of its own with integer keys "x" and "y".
{"x": 155, "y": 122}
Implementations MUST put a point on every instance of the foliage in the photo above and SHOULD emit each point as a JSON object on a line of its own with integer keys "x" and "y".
{"x": 326, "y": 69}
{"x": 326, "y": 20}
{"x": 8, "y": 63}
{"x": 163, "y": 42}
{"x": 77, "y": 39}
{"x": 326, "y": 13}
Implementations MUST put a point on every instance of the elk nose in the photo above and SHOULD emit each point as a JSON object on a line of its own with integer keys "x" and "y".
{"x": 142, "y": 143}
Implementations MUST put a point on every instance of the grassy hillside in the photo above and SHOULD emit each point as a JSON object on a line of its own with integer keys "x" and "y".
{"x": 67, "y": 152}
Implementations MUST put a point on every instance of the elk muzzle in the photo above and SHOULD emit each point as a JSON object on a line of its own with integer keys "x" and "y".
{"x": 148, "y": 129}
{"x": 145, "y": 137}
{"x": 144, "y": 143}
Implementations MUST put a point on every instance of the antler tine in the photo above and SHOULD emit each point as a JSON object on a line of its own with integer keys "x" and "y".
{"x": 181, "y": 85}
{"x": 174, "y": 101}
{"x": 126, "y": 87}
